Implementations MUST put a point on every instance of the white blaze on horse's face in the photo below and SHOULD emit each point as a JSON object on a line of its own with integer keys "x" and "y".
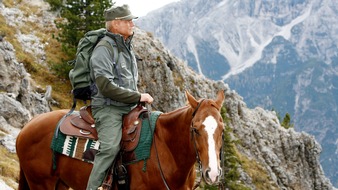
{"x": 210, "y": 124}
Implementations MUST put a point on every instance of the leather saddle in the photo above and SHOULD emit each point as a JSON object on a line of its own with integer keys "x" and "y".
{"x": 82, "y": 125}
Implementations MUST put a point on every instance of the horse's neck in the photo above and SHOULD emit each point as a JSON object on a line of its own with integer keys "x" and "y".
{"x": 176, "y": 132}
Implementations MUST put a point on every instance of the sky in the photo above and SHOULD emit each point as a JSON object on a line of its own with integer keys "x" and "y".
{"x": 142, "y": 7}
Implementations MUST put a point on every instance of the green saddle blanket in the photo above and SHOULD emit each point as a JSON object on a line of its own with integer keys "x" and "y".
{"x": 85, "y": 149}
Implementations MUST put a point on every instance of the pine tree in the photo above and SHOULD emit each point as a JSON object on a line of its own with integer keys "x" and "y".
{"x": 76, "y": 18}
{"x": 286, "y": 123}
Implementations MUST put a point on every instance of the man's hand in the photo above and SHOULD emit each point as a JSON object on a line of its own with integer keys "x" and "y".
{"x": 145, "y": 97}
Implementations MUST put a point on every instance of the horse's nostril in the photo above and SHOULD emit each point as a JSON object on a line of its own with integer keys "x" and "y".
{"x": 207, "y": 173}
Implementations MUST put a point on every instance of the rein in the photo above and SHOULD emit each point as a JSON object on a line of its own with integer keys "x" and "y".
{"x": 193, "y": 131}
{"x": 158, "y": 159}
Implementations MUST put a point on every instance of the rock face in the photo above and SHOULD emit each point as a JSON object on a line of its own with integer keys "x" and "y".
{"x": 19, "y": 101}
{"x": 289, "y": 159}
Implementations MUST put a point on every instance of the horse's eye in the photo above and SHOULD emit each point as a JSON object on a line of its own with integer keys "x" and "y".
{"x": 195, "y": 131}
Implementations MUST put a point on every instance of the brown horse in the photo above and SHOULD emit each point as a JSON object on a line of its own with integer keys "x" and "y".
{"x": 182, "y": 137}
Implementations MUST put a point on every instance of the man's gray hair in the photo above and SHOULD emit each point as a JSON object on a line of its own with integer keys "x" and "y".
{"x": 109, "y": 25}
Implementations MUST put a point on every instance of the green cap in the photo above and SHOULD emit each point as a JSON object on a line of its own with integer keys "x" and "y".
{"x": 118, "y": 13}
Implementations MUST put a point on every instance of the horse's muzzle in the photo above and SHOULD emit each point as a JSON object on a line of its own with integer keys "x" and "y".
{"x": 212, "y": 177}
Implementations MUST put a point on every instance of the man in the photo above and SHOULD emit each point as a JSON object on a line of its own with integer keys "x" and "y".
{"x": 117, "y": 89}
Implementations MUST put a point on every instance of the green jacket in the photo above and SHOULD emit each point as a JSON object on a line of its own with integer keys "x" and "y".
{"x": 116, "y": 82}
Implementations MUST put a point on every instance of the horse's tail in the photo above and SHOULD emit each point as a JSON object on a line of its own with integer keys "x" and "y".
{"x": 23, "y": 184}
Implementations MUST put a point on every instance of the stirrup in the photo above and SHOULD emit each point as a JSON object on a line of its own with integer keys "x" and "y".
{"x": 104, "y": 187}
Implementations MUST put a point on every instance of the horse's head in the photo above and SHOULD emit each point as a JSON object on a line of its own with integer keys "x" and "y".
{"x": 207, "y": 129}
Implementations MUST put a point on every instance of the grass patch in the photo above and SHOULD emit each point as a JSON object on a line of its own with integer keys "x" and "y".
{"x": 178, "y": 80}
{"x": 9, "y": 167}
{"x": 9, "y": 3}
{"x": 258, "y": 174}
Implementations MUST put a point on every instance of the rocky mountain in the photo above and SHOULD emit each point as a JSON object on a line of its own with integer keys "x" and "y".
{"x": 279, "y": 55}
{"x": 268, "y": 155}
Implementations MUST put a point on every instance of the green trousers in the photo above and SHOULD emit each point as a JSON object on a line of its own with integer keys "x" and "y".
{"x": 108, "y": 123}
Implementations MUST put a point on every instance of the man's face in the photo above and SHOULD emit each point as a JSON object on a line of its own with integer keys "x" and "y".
{"x": 125, "y": 28}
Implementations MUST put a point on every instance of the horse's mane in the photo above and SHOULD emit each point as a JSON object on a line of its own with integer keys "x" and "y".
{"x": 178, "y": 109}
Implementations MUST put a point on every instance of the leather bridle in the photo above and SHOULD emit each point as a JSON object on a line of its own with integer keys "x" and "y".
{"x": 193, "y": 132}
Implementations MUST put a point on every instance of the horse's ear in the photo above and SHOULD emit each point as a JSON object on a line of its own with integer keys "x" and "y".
{"x": 192, "y": 101}
{"x": 220, "y": 98}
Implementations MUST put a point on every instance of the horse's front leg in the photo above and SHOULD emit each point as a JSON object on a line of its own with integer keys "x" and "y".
{"x": 60, "y": 185}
